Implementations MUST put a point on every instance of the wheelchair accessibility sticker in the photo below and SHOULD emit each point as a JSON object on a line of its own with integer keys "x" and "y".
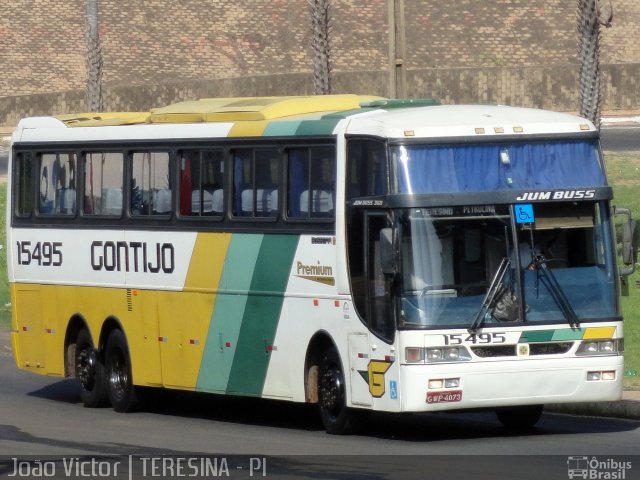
{"x": 524, "y": 213}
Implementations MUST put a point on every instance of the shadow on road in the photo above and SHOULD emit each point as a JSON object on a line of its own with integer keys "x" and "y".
{"x": 280, "y": 414}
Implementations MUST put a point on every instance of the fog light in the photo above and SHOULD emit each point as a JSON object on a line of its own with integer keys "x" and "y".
{"x": 594, "y": 376}
{"x": 435, "y": 384}
{"x": 609, "y": 375}
{"x": 452, "y": 383}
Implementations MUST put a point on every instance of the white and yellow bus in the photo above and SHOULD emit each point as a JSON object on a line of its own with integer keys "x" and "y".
{"x": 359, "y": 253}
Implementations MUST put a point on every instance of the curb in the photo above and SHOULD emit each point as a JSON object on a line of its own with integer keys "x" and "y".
{"x": 628, "y": 409}
{"x": 622, "y": 121}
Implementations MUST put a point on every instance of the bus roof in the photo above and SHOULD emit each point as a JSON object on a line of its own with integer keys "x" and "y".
{"x": 479, "y": 121}
{"x": 301, "y": 116}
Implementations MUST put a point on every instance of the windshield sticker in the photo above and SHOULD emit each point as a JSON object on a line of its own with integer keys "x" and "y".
{"x": 524, "y": 213}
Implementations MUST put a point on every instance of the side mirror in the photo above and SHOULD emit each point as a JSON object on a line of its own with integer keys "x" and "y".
{"x": 387, "y": 252}
{"x": 629, "y": 242}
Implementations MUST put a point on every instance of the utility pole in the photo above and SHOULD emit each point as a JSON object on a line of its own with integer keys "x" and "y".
{"x": 397, "y": 49}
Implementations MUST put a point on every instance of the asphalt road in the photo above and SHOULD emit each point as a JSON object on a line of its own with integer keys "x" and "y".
{"x": 42, "y": 416}
{"x": 621, "y": 139}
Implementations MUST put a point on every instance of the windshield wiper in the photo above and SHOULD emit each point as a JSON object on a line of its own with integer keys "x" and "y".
{"x": 492, "y": 295}
{"x": 546, "y": 276}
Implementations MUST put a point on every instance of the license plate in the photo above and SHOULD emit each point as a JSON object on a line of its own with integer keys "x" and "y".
{"x": 442, "y": 397}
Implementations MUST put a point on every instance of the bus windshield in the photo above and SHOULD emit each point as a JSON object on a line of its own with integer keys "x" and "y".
{"x": 560, "y": 270}
{"x": 492, "y": 167}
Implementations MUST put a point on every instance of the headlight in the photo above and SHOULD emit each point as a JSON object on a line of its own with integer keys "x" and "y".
{"x": 600, "y": 347}
{"x": 436, "y": 354}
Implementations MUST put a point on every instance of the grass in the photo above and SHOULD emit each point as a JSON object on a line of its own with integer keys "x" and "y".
{"x": 623, "y": 170}
{"x": 624, "y": 174}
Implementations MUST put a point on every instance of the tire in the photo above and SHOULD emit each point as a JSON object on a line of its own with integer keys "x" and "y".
{"x": 337, "y": 418}
{"x": 519, "y": 418}
{"x": 89, "y": 372}
{"x": 122, "y": 393}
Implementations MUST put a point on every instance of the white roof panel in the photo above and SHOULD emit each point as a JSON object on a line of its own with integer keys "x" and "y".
{"x": 465, "y": 121}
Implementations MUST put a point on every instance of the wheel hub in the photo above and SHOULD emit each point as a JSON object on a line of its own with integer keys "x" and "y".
{"x": 86, "y": 368}
{"x": 332, "y": 391}
{"x": 118, "y": 376}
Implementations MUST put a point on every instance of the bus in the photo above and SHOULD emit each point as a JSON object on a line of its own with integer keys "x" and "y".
{"x": 359, "y": 253}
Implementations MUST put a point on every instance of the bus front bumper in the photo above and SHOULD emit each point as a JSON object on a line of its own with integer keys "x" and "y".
{"x": 470, "y": 385}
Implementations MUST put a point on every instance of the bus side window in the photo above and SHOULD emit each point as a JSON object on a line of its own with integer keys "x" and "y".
{"x": 201, "y": 182}
{"x": 150, "y": 187}
{"x": 256, "y": 175}
{"x": 57, "y": 188}
{"x": 366, "y": 169}
{"x": 103, "y": 183}
{"x": 311, "y": 183}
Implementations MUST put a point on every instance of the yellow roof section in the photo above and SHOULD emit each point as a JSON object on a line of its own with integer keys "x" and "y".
{"x": 189, "y": 111}
{"x": 242, "y": 109}
{"x": 103, "y": 119}
{"x": 253, "y": 108}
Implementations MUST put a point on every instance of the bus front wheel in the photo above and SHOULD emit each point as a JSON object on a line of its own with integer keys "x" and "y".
{"x": 89, "y": 372}
{"x": 337, "y": 418}
{"x": 120, "y": 389}
{"x": 519, "y": 418}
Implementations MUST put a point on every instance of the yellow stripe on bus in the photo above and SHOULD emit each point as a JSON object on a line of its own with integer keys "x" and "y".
{"x": 598, "y": 332}
{"x": 248, "y": 129}
{"x": 207, "y": 261}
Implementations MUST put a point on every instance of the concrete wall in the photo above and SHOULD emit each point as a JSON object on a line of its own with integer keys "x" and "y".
{"x": 520, "y": 52}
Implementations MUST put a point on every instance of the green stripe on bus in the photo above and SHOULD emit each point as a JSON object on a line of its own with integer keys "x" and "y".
{"x": 228, "y": 311}
{"x": 552, "y": 335}
{"x": 281, "y": 129}
{"x": 568, "y": 334}
{"x": 261, "y": 315}
{"x": 536, "y": 336}
{"x": 318, "y": 127}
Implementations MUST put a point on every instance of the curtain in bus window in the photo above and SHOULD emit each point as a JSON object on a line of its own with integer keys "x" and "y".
{"x": 24, "y": 182}
{"x": 322, "y": 183}
{"x": 298, "y": 180}
{"x": 266, "y": 179}
{"x": 469, "y": 168}
{"x": 187, "y": 191}
{"x": 243, "y": 183}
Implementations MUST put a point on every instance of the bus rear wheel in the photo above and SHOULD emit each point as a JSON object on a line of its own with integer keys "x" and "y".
{"x": 337, "y": 418}
{"x": 119, "y": 383}
{"x": 519, "y": 418}
{"x": 89, "y": 372}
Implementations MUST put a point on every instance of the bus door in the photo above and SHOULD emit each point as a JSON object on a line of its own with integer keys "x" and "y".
{"x": 372, "y": 355}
